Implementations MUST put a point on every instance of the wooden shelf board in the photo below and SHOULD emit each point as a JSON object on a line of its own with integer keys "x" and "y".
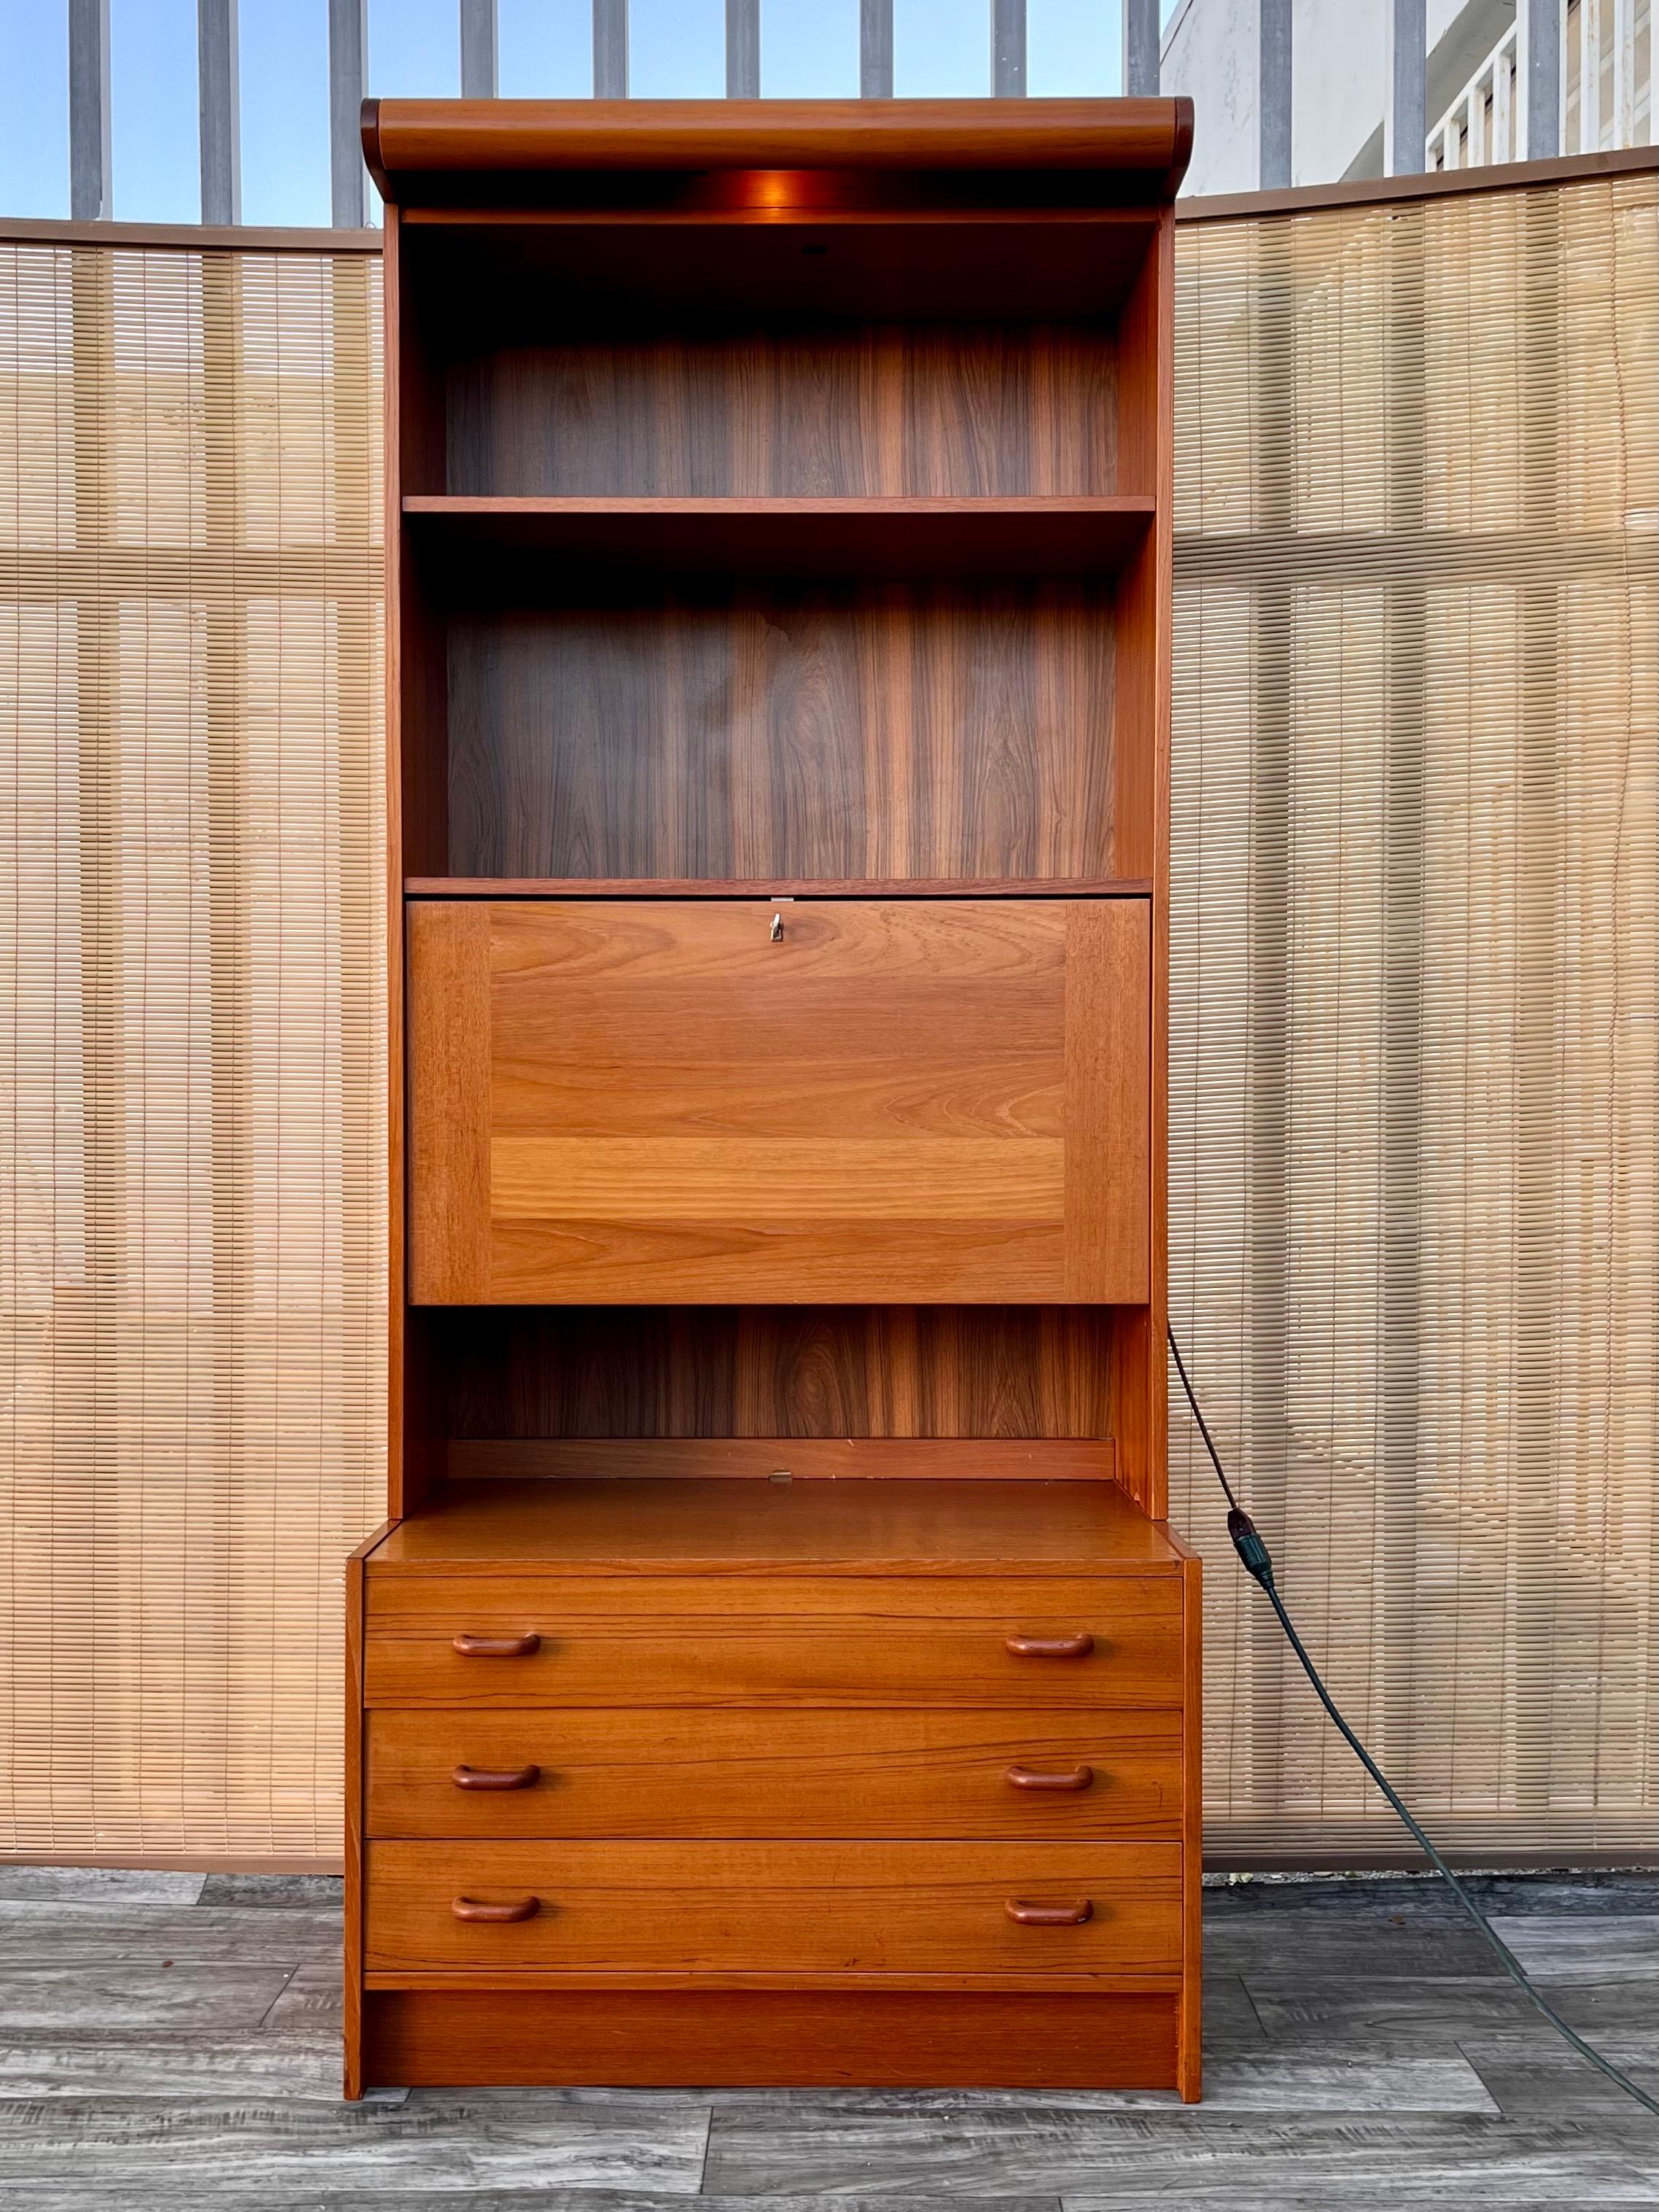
{"x": 648, "y": 1526}
{"x": 913, "y": 539}
{"x": 776, "y": 887}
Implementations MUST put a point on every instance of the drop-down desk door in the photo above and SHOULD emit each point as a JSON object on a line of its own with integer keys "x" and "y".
{"x": 732, "y": 1101}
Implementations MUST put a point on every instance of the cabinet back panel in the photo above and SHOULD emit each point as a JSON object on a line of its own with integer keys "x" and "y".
{"x": 881, "y": 409}
{"x": 801, "y": 1371}
{"x": 834, "y": 732}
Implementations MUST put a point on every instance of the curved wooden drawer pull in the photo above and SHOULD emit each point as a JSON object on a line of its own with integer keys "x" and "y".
{"x": 1049, "y": 1916}
{"x": 1052, "y": 1647}
{"x": 505, "y": 1777}
{"x": 1027, "y": 1778}
{"x": 513, "y": 1908}
{"x": 495, "y": 1647}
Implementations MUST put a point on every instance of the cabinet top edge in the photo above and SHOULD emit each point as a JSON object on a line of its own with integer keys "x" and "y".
{"x": 411, "y": 146}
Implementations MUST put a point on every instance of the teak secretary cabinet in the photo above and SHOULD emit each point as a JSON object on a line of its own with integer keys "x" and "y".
{"x": 777, "y": 1666}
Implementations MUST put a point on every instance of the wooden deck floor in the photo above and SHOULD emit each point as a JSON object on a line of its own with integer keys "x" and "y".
{"x": 171, "y": 2041}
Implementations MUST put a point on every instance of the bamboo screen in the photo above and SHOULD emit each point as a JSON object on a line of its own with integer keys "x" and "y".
{"x": 1413, "y": 1117}
{"x": 1414, "y": 1250}
{"x": 192, "y": 1297}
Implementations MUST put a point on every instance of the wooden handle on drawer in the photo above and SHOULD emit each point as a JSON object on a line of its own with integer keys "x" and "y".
{"x": 514, "y": 1908}
{"x": 1049, "y": 1916}
{"x": 1027, "y": 1778}
{"x": 505, "y": 1777}
{"x": 1052, "y": 1647}
{"x": 496, "y": 1647}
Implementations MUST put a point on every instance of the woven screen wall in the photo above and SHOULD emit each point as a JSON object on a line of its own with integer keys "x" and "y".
{"x": 192, "y": 1294}
{"x": 1413, "y": 1188}
{"x": 1414, "y": 1093}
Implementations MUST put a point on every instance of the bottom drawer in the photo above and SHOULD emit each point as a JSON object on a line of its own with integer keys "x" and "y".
{"x": 1022, "y": 1909}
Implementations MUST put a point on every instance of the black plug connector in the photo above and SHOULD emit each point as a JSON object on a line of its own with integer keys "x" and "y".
{"x": 1254, "y": 1555}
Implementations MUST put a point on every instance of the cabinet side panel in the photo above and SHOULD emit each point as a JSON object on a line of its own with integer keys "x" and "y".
{"x": 1189, "y": 2069}
{"x": 1107, "y": 948}
{"x": 448, "y": 1103}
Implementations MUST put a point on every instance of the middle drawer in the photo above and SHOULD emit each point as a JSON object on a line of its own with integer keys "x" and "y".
{"x": 949, "y": 1772}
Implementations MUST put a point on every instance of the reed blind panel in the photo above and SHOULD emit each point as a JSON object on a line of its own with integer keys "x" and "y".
{"x": 1413, "y": 1117}
{"x": 191, "y": 1040}
{"x": 1413, "y": 1192}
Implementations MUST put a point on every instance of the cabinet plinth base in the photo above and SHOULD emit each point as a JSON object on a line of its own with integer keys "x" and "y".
{"x": 903, "y": 2039}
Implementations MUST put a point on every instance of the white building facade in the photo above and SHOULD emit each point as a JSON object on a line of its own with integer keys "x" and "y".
{"x": 1475, "y": 103}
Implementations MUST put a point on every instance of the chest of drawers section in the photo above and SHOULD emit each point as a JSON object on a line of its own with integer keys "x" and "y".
{"x": 839, "y": 1781}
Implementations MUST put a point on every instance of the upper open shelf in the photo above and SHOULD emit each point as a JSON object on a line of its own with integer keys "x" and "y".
{"x": 938, "y": 538}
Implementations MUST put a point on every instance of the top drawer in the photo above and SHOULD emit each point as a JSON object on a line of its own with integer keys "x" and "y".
{"x": 905, "y": 1102}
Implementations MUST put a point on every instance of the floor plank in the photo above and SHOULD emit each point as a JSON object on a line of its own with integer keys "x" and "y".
{"x": 96, "y": 1936}
{"x": 1097, "y": 2160}
{"x": 434, "y": 2141}
{"x": 208, "y": 1999}
{"x": 1563, "y": 1947}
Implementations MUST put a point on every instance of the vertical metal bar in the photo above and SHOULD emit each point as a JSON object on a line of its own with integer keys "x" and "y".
{"x": 1274, "y": 95}
{"x": 479, "y": 60}
{"x": 1538, "y": 71}
{"x": 1624, "y": 73}
{"x": 610, "y": 49}
{"x": 219, "y": 96}
{"x": 876, "y": 49}
{"x": 88, "y": 116}
{"x": 1269, "y": 1252}
{"x": 1008, "y": 49}
{"x": 1590, "y": 76}
{"x": 743, "y": 49}
{"x": 348, "y": 76}
{"x": 1405, "y": 86}
{"x": 1400, "y": 1472}
{"x": 1141, "y": 49}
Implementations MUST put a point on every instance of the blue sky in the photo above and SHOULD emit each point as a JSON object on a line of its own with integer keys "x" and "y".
{"x": 808, "y": 47}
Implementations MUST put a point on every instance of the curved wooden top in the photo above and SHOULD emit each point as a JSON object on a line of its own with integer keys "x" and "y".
{"x": 1146, "y": 138}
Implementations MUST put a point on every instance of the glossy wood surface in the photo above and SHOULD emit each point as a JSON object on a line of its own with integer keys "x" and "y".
{"x": 782, "y": 1459}
{"x": 783, "y": 529}
{"x": 774, "y": 1644}
{"x": 757, "y": 731}
{"x": 776, "y": 887}
{"x": 936, "y": 1772}
{"x": 430, "y": 138}
{"x": 832, "y": 1373}
{"x": 794, "y": 2038}
{"x": 873, "y": 410}
{"x": 862, "y": 538}
{"x": 881, "y": 1907}
{"x": 645, "y": 1528}
{"x": 694, "y": 1102}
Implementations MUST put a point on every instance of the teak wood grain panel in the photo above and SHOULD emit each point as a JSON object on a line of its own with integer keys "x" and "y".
{"x": 776, "y": 1643}
{"x": 899, "y": 730}
{"x": 884, "y": 2038}
{"x": 830, "y": 1372}
{"x": 731, "y": 1526}
{"x": 880, "y": 1907}
{"x": 890, "y": 1102}
{"x": 654, "y": 1772}
{"x": 878, "y": 409}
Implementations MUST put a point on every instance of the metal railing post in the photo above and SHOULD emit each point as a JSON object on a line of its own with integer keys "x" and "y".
{"x": 743, "y": 49}
{"x": 876, "y": 49}
{"x": 610, "y": 49}
{"x": 219, "y": 100}
{"x": 348, "y": 77}
{"x": 1406, "y": 84}
{"x": 89, "y": 111}
{"x": 1140, "y": 48}
{"x": 1008, "y": 49}
{"x": 1273, "y": 96}
{"x": 480, "y": 71}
